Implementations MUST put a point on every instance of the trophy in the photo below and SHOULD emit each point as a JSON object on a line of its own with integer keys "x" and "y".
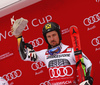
{"x": 18, "y": 25}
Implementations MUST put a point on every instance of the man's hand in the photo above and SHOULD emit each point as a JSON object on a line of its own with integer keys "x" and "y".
{"x": 85, "y": 83}
{"x": 15, "y": 35}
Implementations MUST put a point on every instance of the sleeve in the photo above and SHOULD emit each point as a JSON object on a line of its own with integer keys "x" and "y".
{"x": 89, "y": 70}
{"x": 87, "y": 63}
{"x": 26, "y": 50}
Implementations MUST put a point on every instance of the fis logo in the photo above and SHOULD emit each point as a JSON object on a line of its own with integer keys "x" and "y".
{"x": 47, "y": 26}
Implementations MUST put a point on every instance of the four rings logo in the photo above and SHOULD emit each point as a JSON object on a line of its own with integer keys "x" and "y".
{"x": 37, "y": 65}
{"x": 92, "y": 19}
{"x": 97, "y": 0}
{"x": 45, "y": 83}
{"x": 96, "y": 41}
{"x": 13, "y": 75}
{"x": 61, "y": 71}
{"x": 37, "y": 42}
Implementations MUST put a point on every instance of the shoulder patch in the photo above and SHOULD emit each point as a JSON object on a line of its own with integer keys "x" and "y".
{"x": 69, "y": 50}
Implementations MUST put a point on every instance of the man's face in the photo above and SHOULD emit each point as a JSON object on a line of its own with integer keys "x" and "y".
{"x": 53, "y": 38}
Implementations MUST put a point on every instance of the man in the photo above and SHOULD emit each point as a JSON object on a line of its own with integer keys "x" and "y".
{"x": 59, "y": 58}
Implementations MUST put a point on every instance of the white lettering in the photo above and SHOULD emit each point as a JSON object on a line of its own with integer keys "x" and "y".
{"x": 37, "y": 73}
{"x": 42, "y": 22}
{"x": 35, "y": 25}
{"x": 93, "y": 27}
{"x": 3, "y": 56}
{"x": 62, "y": 83}
{"x": 48, "y": 18}
{"x": 97, "y": 49}
{"x": 36, "y": 22}
{"x": 10, "y": 34}
{"x": 64, "y": 31}
{"x": 4, "y": 36}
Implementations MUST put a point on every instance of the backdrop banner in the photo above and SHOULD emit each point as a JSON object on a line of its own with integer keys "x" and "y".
{"x": 85, "y": 14}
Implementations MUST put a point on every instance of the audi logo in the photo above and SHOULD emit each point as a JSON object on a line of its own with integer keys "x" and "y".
{"x": 37, "y": 65}
{"x": 97, "y": 0}
{"x": 96, "y": 41}
{"x": 45, "y": 83}
{"x": 60, "y": 72}
{"x": 37, "y": 42}
{"x": 92, "y": 19}
{"x": 13, "y": 75}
